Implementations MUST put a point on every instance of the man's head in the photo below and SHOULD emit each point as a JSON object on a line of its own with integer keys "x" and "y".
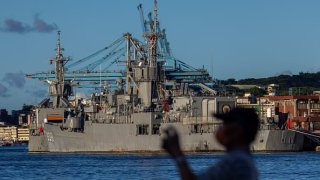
{"x": 240, "y": 126}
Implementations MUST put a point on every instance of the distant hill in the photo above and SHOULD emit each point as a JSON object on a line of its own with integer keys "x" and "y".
{"x": 304, "y": 82}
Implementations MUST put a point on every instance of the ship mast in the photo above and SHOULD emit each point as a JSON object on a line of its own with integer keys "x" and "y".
{"x": 59, "y": 64}
{"x": 57, "y": 87}
{"x": 154, "y": 37}
{"x": 144, "y": 72}
{"x": 154, "y": 53}
{"x": 153, "y": 63}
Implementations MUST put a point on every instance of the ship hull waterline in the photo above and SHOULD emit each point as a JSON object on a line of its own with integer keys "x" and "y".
{"x": 120, "y": 138}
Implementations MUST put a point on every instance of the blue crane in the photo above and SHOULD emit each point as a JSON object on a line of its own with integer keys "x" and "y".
{"x": 118, "y": 41}
{"x": 95, "y": 64}
{"x": 116, "y": 60}
{"x": 143, "y": 20}
{"x": 175, "y": 69}
{"x": 181, "y": 76}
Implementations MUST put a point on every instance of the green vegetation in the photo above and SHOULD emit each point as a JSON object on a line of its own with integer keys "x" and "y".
{"x": 300, "y": 84}
{"x": 258, "y": 92}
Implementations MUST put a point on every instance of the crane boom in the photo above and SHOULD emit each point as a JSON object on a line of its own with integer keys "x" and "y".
{"x": 95, "y": 64}
{"x": 143, "y": 20}
{"x": 118, "y": 41}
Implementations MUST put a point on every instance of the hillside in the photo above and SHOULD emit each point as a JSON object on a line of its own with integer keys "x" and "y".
{"x": 302, "y": 83}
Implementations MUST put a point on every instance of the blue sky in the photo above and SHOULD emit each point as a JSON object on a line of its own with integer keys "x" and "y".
{"x": 238, "y": 39}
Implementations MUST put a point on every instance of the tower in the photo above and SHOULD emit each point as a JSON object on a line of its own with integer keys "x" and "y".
{"x": 59, "y": 90}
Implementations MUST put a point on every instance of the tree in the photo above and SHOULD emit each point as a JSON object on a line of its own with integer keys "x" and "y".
{"x": 27, "y": 108}
{"x": 258, "y": 92}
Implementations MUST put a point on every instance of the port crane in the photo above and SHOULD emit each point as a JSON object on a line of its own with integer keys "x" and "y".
{"x": 94, "y": 68}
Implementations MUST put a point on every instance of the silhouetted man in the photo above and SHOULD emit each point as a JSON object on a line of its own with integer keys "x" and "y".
{"x": 238, "y": 130}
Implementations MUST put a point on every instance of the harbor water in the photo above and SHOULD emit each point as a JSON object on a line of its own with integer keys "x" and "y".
{"x": 17, "y": 163}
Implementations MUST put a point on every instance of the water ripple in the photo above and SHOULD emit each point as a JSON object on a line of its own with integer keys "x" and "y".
{"x": 17, "y": 163}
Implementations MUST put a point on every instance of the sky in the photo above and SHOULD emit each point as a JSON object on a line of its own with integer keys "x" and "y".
{"x": 231, "y": 38}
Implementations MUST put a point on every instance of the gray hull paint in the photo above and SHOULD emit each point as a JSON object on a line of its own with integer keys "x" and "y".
{"x": 122, "y": 138}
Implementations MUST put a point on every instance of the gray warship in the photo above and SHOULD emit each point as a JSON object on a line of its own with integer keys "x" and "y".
{"x": 147, "y": 99}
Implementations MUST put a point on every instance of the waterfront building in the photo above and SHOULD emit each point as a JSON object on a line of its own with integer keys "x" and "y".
{"x": 8, "y": 133}
{"x": 298, "y": 112}
{"x": 23, "y": 134}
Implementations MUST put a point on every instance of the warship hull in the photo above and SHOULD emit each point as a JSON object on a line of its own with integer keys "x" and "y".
{"x": 123, "y": 138}
{"x": 147, "y": 97}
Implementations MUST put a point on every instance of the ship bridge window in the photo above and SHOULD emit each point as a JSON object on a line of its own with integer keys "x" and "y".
{"x": 142, "y": 129}
{"x": 197, "y": 128}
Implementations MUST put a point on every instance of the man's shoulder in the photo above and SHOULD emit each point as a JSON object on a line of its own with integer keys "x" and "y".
{"x": 232, "y": 166}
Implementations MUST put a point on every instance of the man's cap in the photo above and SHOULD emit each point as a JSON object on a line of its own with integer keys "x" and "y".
{"x": 242, "y": 116}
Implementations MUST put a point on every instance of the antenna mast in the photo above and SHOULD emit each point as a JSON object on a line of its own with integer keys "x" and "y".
{"x": 59, "y": 62}
{"x": 154, "y": 37}
{"x": 58, "y": 87}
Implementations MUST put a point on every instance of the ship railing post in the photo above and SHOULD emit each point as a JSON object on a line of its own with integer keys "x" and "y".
{"x": 37, "y": 114}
